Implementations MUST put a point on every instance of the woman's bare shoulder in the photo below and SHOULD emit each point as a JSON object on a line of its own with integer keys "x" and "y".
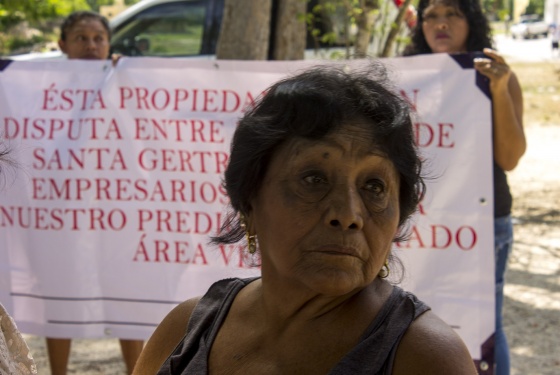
{"x": 430, "y": 346}
{"x": 165, "y": 338}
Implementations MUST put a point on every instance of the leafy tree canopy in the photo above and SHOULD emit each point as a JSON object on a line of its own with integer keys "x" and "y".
{"x": 95, "y": 4}
{"x": 535, "y": 7}
{"x": 34, "y": 10}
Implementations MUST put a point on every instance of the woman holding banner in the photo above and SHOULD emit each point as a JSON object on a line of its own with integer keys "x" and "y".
{"x": 456, "y": 26}
{"x": 322, "y": 178}
{"x": 86, "y": 36}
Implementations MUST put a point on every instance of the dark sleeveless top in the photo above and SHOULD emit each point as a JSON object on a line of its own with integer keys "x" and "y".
{"x": 374, "y": 354}
{"x": 502, "y": 194}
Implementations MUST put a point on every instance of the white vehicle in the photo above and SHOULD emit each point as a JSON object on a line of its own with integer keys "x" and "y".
{"x": 161, "y": 28}
{"x": 530, "y": 26}
{"x": 164, "y": 28}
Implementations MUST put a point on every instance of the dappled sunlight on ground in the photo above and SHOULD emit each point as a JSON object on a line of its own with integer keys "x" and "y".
{"x": 532, "y": 291}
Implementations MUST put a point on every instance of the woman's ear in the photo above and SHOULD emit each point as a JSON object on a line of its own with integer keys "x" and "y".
{"x": 250, "y": 222}
{"x": 62, "y": 45}
{"x": 250, "y": 217}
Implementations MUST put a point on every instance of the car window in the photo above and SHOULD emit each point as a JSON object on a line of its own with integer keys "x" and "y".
{"x": 171, "y": 29}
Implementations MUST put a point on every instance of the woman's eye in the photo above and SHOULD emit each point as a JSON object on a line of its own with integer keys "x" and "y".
{"x": 314, "y": 179}
{"x": 429, "y": 16}
{"x": 311, "y": 186}
{"x": 375, "y": 186}
{"x": 455, "y": 13}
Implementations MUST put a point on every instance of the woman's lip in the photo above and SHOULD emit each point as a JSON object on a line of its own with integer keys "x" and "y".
{"x": 337, "y": 250}
{"x": 442, "y": 36}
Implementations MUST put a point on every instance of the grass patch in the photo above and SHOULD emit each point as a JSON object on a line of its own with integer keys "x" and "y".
{"x": 540, "y": 83}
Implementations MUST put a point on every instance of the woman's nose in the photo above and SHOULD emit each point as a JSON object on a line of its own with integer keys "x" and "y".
{"x": 442, "y": 25}
{"x": 90, "y": 43}
{"x": 345, "y": 209}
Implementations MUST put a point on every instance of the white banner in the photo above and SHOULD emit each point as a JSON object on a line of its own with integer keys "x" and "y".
{"x": 104, "y": 226}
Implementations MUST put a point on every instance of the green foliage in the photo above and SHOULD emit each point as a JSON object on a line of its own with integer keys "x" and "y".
{"x": 503, "y": 15}
{"x": 334, "y": 23}
{"x": 37, "y": 10}
{"x": 498, "y": 9}
{"x": 535, "y": 7}
{"x": 44, "y": 15}
{"x": 489, "y": 6}
{"x": 9, "y": 19}
{"x": 14, "y": 44}
{"x": 329, "y": 21}
{"x": 96, "y": 4}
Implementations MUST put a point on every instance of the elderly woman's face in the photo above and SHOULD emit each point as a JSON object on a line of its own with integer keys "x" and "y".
{"x": 327, "y": 212}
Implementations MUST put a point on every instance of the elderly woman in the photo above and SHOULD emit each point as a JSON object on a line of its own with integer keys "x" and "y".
{"x": 322, "y": 178}
{"x": 458, "y": 26}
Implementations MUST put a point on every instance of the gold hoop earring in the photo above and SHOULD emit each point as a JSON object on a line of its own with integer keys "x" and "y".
{"x": 384, "y": 271}
{"x": 251, "y": 239}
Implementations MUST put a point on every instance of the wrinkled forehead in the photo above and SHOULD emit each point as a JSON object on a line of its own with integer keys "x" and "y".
{"x": 359, "y": 131}
{"x": 360, "y": 134}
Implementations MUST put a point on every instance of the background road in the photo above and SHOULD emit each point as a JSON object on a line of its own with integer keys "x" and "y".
{"x": 521, "y": 50}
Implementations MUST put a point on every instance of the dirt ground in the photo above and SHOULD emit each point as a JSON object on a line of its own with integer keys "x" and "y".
{"x": 532, "y": 304}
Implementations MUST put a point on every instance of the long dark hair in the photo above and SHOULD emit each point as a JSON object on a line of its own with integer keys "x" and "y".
{"x": 479, "y": 29}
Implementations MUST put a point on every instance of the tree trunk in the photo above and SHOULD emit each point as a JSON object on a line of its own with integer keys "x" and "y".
{"x": 395, "y": 27}
{"x": 245, "y": 30}
{"x": 289, "y": 41}
{"x": 364, "y": 22}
